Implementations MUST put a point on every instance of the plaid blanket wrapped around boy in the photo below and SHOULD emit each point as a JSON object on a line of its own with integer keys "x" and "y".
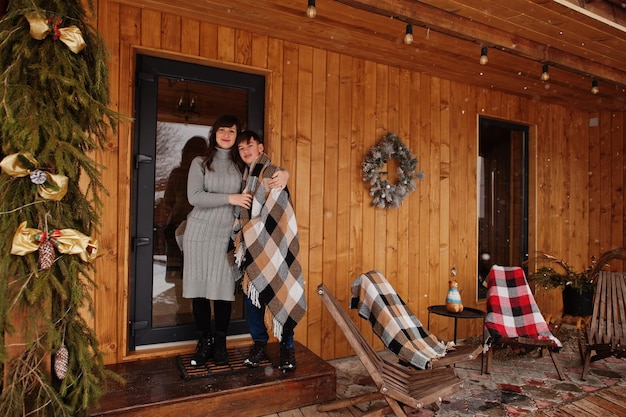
{"x": 511, "y": 307}
{"x": 393, "y": 322}
{"x": 264, "y": 249}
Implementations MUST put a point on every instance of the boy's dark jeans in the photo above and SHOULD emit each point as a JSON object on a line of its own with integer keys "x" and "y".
{"x": 257, "y": 327}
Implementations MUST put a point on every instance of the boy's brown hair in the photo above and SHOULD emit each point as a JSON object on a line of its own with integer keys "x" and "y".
{"x": 246, "y": 136}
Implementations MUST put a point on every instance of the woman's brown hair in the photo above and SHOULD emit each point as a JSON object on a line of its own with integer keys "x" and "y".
{"x": 227, "y": 120}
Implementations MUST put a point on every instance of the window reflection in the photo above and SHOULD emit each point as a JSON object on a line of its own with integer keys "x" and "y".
{"x": 177, "y": 145}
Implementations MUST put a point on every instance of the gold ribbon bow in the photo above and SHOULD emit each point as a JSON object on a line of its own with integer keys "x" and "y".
{"x": 67, "y": 241}
{"x": 71, "y": 36}
{"x": 52, "y": 186}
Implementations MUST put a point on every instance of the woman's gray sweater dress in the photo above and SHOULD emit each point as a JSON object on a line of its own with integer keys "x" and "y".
{"x": 207, "y": 273}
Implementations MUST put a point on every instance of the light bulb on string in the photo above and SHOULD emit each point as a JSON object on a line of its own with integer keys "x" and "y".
{"x": 408, "y": 36}
{"x": 483, "y": 56}
{"x": 311, "y": 10}
{"x": 594, "y": 87}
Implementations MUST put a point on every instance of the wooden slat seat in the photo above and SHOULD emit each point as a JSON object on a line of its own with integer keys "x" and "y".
{"x": 404, "y": 388}
{"x": 605, "y": 333}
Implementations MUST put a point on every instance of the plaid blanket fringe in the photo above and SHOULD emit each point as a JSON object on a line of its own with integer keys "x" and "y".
{"x": 392, "y": 321}
{"x": 511, "y": 308}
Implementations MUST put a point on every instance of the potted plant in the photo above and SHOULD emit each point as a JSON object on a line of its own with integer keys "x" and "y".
{"x": 578, "y": 286}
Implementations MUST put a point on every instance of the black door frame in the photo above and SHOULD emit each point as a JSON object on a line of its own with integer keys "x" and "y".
{"x": 149, "y": 69}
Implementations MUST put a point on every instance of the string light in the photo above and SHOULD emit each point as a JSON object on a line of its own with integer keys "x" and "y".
{"x": 408, "y": 37}
{"x": 483, "y": 56}
{"x": 484, "y": 50}
{"x": 545, "y": 75}
{"x": 311, "y": 11}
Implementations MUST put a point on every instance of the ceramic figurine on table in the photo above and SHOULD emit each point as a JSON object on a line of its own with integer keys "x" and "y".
{"x": 453, "y": 300}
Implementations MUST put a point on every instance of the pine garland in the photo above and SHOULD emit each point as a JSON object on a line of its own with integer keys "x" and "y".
{"x": 53, "y": 105}
{"x": 384, "y": 194}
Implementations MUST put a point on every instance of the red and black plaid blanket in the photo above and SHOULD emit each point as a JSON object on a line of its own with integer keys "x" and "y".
{"x": 393, "y": 322}
{"x": 511, "y": 307}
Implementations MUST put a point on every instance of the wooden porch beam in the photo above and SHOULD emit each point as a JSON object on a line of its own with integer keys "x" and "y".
{"x": 419, "y": 14}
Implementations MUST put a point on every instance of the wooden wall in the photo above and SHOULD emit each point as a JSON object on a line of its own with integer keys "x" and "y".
{"x": 324, "y": 111}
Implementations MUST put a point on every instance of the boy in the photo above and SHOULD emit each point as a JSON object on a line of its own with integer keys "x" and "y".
{"x": 264, "y": 251}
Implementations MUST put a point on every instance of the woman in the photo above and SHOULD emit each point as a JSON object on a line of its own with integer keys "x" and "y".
{"x": 213, "y": 189}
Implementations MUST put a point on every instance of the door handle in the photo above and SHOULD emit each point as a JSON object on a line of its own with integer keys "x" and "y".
{"x": 141, "y": 241}
{"x": 142, "y": 159}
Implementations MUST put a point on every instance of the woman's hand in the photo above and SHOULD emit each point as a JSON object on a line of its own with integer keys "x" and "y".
{"x": 279, "y": 179}
{"x": 241, "y": 200}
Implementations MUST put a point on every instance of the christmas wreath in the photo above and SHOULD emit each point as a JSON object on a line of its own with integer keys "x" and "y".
{"x": 384, "y": 194}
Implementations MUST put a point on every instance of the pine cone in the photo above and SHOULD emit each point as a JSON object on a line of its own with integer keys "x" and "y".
{"x": 61, "y": 359}
{"x": 46, "y": 254}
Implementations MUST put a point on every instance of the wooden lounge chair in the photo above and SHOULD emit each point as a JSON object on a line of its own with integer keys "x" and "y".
{"x": 404, "y": 388}
{"x": 605, "y": 334}
{"x": 399, "y": 329}
{"x": 513, "y": 317}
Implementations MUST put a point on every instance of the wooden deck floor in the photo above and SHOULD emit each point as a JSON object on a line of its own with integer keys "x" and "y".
{"x": 158, "y": 388}
{"x": 606, "y": 402}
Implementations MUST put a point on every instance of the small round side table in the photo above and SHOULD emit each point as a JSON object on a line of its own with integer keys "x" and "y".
{"x": 467, "y": 313}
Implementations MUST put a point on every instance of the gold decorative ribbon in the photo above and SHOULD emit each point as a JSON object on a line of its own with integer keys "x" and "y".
{"x": 51, "y": 187}
{"x": 67, "y": 241}
{"x": 71, "y": 36}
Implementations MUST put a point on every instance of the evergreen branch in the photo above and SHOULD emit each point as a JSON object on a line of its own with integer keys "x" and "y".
{"x": 21, "y": 291}
{"x": 37, "y": 410}
{"x": 5, "y": 83}
{"x": 8, "y": 38}
{"x": 53, "y": 104}
{"x": 21, "y": 207}
{"x": 16, "y": 345}
{"x": 27, "y": 381}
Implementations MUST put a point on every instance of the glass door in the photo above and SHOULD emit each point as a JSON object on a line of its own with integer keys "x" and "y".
{"x": 502, "y": 196}
{"x": 176, "y": 103}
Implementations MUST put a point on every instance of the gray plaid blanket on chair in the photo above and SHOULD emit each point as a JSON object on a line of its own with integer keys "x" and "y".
{"x": 393, "y": 322}
{"x": 264, "y": 249}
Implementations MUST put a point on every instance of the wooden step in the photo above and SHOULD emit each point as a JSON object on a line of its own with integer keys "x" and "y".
{"x": 158, "y": 387}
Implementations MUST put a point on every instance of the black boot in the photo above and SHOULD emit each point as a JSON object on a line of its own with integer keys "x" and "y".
{"x": 257, "y": 354}
{"x": 287, "y": 359}
{"x": 220, "y": 354}
{"x": 204, "y": 351}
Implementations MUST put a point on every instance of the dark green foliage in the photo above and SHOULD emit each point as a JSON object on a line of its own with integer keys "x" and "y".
{"x": 53, "y": 105}
{"x": 543, "y": 274}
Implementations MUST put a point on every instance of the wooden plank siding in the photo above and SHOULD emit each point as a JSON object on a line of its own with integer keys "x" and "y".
{"x": 324, "y": 111}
